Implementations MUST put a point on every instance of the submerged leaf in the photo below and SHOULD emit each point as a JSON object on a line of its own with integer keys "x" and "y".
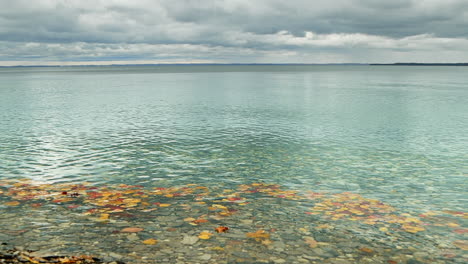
{"x": 131, "y": 230}
{"x": 150, "y": 241}
{"x": 462, "y": 244}
{"x": 222, "y": 229}
{"x": 205, "y": 235}
{"x": 258, "y": 235}
{"x": 310, "y": 241}
{"x": 12, "y": 203}
{"x": 104, "y": 217}
{"x": 366, "y": 250}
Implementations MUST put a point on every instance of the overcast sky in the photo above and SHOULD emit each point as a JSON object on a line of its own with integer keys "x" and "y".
{"x": 232, "y": 31}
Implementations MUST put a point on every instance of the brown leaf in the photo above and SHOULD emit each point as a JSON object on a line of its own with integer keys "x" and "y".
{"x": 366, "y": 250}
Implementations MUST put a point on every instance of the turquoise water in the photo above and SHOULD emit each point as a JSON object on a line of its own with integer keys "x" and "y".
{"x": 395, "y": 134}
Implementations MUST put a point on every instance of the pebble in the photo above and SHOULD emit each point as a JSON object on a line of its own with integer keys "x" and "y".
{"x": 279, "y": 261}
{"x": 115, "y": 255}
{"x": 133, "y": 237}
{"x": 189, "y": 240}
{"x": 340, "y": 261}
{"x": 205, "y": 257}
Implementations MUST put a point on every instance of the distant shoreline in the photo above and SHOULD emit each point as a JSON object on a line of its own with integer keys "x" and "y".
{"x": 245, "y": 64}
{"x": 418, "y": 64}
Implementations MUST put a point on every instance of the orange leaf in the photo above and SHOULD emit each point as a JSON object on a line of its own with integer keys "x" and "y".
{"x": 199, "y": 221}
{"x": 150, "y": 241}
{"x": 131, "y": 230}
{"x": 222, "y": 229}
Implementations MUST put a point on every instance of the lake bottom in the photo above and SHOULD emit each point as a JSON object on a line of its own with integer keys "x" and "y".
{"x": 255, "y": 222}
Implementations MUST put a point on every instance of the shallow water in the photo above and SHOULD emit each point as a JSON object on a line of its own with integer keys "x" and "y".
{"x": 395, "y": 135}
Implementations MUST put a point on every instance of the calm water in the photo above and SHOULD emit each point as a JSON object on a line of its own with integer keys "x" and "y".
{"x": 396, "y": 134}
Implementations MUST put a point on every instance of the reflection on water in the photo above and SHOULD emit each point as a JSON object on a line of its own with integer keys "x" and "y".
{"x": 395, "y": 134}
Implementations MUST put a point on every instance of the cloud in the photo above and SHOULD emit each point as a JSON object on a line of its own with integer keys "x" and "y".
{"x": 231, "y": 30}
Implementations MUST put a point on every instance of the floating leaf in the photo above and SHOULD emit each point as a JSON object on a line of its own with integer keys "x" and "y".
{"x": 222, "y": 229}
{"x": 131, "y": 230}
{"x": 150, "y": 241}
{"x": 189, "y": 219}
{"x": 205, "y": 235}
{"x": 164, "y": 205}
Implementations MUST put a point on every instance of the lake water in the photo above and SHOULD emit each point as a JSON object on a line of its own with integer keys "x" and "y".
{"x": 370, "y": 162}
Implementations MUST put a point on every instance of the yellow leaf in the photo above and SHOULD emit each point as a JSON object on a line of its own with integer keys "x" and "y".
{"x": 189, "y": 219}
{"x": 219, "y": 206}
{"x": 150, "y": 241}
{"x": 205, "y": 235}
{"x": 217, "y": 248}
{"x": 453, "y": 225}
{"x": 104, "y": 217}
{"x": 259, "y": 235}
{"x": 164, "y": 205}
{"x": 412, "y": 229}
{"x": 383, "y": 229}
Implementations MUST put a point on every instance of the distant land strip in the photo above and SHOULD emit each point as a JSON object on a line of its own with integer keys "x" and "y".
{"x": 418, "y": 64}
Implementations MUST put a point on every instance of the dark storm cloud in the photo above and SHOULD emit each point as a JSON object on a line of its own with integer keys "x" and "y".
{"x": 282, "y": 27}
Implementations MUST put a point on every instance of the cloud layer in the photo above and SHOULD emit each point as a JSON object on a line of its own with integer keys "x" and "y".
{"x": 48, "y": 31}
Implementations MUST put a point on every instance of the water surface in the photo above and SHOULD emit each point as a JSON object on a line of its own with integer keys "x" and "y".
{"x": 394, "y": 134}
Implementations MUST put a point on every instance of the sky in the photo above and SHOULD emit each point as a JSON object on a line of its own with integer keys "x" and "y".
{"x": 74, "y": 32}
